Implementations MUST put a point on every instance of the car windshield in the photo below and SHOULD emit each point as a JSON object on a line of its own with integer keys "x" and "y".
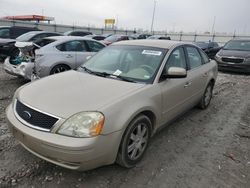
{"x": 238, "y": 45}
{"x": 202, "y": 44}
{"x": 128, "y": 63}
{"x": 26, "y": 37}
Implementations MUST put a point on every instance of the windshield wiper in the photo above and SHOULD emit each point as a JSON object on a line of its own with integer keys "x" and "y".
{"x": 124, "y": 78}
{"x": 103, "y": 74}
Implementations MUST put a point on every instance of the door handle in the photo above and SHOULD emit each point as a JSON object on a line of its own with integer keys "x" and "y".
{"x": 187, "y": 84}
{"x": 69, "y": 56}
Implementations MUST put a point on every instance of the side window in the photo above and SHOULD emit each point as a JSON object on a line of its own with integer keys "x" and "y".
{"x": 5, "y": 33}
{"x": 176, "y": 59}
{"x": 72, "y": 46}
{"x": 204, "y": 56}
{"x": 94, "y": 46}
{"x": 194, "y": 57}
{"x": 99, "y": 38}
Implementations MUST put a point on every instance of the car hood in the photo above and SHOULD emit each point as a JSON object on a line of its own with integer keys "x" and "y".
{"x": 71, "y": 92}
{"x": 234, "y": 53}
{"x": 5, "y": 41}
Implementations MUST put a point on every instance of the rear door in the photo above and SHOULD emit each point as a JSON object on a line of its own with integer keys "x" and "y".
{"x": 90, "y": 49}
{"x": 67, "y": 53}
{"x": 82, "y": 54}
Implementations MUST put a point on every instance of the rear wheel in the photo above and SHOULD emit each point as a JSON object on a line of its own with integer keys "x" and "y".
{"x": 59, "y": 68}
{"x": 207, "y": 96}
{"x": 134, "y": 142}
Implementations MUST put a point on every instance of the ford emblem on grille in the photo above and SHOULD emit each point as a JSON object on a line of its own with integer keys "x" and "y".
{"x": 26, "y": 115}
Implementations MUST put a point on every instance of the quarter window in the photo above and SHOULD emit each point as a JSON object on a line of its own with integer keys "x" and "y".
{"x": 176, "y": 59}
{"x": 194, "y": 57}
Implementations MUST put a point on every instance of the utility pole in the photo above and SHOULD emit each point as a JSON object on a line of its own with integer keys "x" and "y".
{"x": 117, "y": 21}
{"x": 153, "y": 17}
{"x": 213, "y": 31}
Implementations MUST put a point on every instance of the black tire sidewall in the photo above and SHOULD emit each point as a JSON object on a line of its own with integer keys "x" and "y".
{"x": 203, "y": 105}
{"x": 55, "y": 67}
{"x": 123, "y": 155}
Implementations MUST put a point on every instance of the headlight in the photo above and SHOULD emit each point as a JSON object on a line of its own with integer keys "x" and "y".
{"x": 247, "y": 60}
{"x": 217, "y": 56}
{"x": 83, "y": 124}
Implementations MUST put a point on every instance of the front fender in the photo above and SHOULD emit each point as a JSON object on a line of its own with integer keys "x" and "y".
{"x": 119, "y": 114}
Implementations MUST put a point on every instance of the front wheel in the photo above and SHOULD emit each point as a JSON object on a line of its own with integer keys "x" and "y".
{"x": 134, "y": 142}
{"x": 207, "y": 96}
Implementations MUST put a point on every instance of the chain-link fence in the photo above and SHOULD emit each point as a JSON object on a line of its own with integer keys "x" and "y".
{"x": 193, "y": 37}
{"x": 63, "y": 28}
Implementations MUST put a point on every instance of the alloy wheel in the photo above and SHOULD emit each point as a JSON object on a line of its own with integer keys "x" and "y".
{"x": 137, "y": 141}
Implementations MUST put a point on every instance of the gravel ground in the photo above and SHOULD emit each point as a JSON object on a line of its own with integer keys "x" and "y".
{"x": 208, "y": 148}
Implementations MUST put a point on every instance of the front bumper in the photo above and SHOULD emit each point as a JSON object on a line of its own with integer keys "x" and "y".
{"x": 233, "y": 67}
{"x": 24, "y": 69}
{"x": 68, "y": 152}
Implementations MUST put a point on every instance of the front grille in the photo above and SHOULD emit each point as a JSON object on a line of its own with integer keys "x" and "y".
{"x": 232, "y": 60}
{"x": 34, "y": 118}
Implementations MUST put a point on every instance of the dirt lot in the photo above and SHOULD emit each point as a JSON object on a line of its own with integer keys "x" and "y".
{"x": 208, "y": 148}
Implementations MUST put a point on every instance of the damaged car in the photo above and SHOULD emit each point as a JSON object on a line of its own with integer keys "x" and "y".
{"x": 23, "y": 64}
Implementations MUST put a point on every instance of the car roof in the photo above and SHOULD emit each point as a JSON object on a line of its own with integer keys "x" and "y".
{"x": 166, "y": 44}
{"x": 39, "y": 32}
{"x": 63, "y": 37}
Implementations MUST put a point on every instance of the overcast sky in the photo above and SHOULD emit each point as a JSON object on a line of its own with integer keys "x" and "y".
{"x": 185, "y": 15}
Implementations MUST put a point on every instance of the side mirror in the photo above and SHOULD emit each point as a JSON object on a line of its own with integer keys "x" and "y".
{"x": 175, "y": 72}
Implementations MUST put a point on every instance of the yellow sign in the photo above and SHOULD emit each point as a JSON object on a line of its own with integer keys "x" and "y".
{"x": 109, "y": 21}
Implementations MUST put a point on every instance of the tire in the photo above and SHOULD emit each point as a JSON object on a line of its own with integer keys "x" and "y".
{"x": 59, "y": 68}
{"x": 207, "y": 96}
{"x": 134, "y": 142}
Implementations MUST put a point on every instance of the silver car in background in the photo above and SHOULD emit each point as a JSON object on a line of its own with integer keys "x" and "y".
{"x": 51, "y": 55}
{"x": 66, "y": 53}
{"x": 109, "y": 108}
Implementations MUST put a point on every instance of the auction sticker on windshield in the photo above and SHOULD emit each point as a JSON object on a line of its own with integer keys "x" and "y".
{"x": 151, "y": 52}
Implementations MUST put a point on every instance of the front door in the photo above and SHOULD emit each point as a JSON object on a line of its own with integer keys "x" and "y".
{"x": 175, "y": 91}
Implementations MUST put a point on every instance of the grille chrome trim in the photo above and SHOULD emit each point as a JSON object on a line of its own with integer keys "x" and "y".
{"x": 232, "y": 59}
{"x": 30, "y": 125}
